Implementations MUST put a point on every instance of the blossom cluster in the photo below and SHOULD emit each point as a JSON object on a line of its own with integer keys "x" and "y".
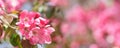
{"x": 17, "y": 24}
{"x": 34, "y": 28}
{"x": 99, "y": 23}
{"x": 105, "y": 25}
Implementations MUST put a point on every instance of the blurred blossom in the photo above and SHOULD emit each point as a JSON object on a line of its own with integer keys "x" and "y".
{"x": 103, "y": 20}
{"x": 55, "y": 22}
{"x": 93, "y": 46}
{"x": 2, "y": 7}
{"x": 58, "y": 2}
{"x": 11, "y": 5}
{"x": 105, "y": 23}
{"x": 75, "y": 22}
{"x": 74, "y": 44}
{"x": 1, "y": 11}
{"x": 65, "y": 28}
{"x": 74, "y": 26}
{"x": 1, "y": 3}
{"x": 58, "y": 39}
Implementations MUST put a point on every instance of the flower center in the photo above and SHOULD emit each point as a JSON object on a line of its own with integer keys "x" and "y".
{"x": 25, "y": 19}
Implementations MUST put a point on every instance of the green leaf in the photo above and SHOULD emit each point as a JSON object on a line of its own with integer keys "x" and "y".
{"x": 50, "y": 11}
{"x": 15, "y": 40}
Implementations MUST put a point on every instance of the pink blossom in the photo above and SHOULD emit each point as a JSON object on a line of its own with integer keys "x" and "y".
{"x": 41, "y": 21}
{"x": 1, "y": 3}
{"x": 12, "y": 5}
{"x": 40, "y": 35}
{"x": 2, "y": 6}
{"x": 1, "y": 11}
{"x": 74, "y": 24}
{"x": 58, "y": 2}
{"x": 34, "y": 28}
{"x": 117, "y": 38}
{"x": 57, "y": 39}
{"x": 93, "y": 46}
{"x": 75, "y": 44}
{"x": 106, "y": 22}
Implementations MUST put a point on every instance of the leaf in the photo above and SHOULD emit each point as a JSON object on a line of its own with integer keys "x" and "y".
{"x": 13, "y": 15}
{"x": 15, "y": 40}
{"x": 41, "y": 9}
{"x": 13, "y": 37}
{"x": 3, "y": 19}
{"x": 8, "y": 19}
{"x": 50, "y": 11}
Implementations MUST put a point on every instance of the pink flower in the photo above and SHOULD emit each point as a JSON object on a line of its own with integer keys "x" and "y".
{"x": 2, "y": 6}
{"x": 106, "y": 22}
{"x": 12, "y": 5}
{"x": 27, "y": 18}
{"x": 34, "y": 28}
{"x": 58, "y": 2}
{"x": 75, "y": 44}
{"x": 1, "y": 3}
{"x": 41, "y": 21}
{"x": 1, "y": 11}
{"x": 41, "y": 35}
{"x": 93, "y": 46}
{"x": 74, "y": 24}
